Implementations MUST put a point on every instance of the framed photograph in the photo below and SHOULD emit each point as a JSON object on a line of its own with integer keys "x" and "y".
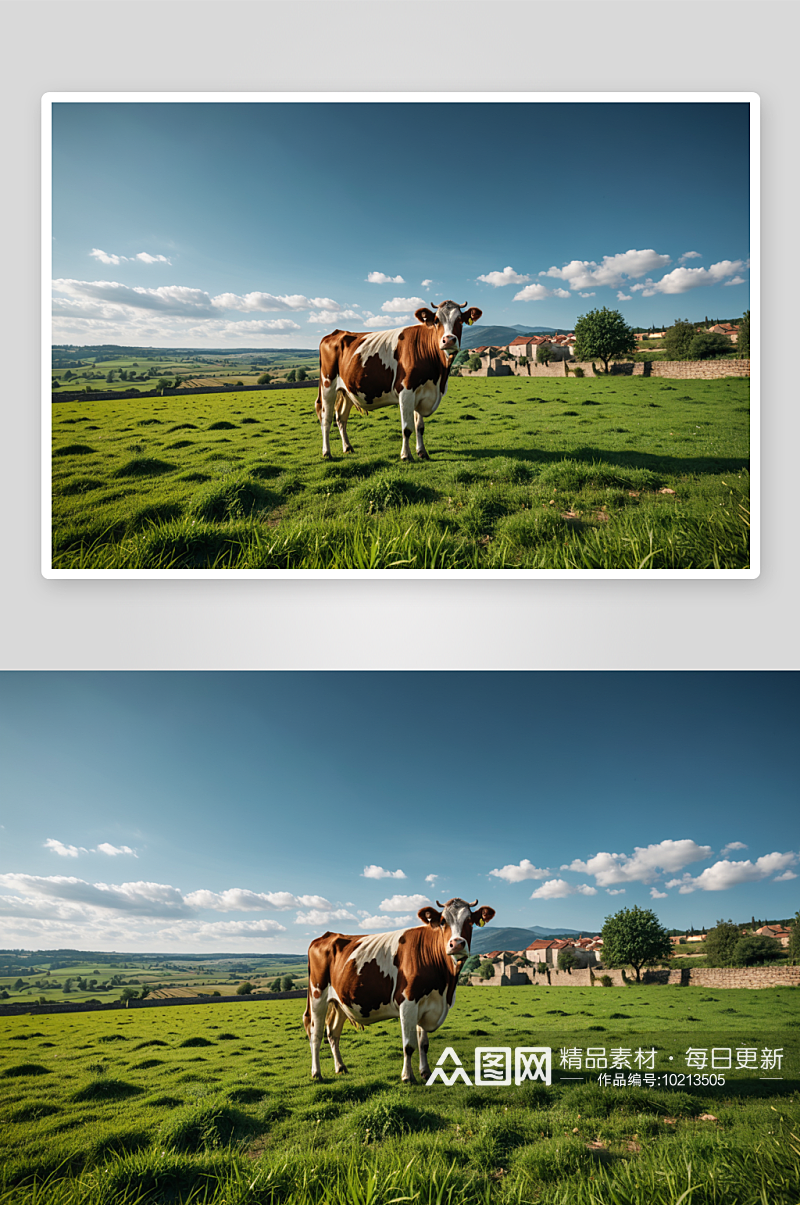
{"x": 437, "y": 334}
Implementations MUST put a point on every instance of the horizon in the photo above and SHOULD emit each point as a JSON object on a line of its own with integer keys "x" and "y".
{"x": 268, "y": 251}
{"x": 232, "y": 810}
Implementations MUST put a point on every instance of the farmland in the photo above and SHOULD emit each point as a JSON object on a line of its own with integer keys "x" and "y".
{"x": 214, "y": 1103}
{"x": 574, "y": 474}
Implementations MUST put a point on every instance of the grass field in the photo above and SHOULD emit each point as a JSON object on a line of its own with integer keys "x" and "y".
{"x": 574, "y": 474}
{"x": 214, "y": 1103}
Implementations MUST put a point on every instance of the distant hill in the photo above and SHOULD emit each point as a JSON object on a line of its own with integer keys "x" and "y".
{"x": 501, "y": 336}
{"x": 484, "y": 940}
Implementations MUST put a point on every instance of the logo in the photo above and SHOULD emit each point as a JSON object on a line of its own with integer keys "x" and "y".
{"x": 493, "y": 1066}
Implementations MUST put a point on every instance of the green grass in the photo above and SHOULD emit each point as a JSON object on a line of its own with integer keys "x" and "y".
{"x": 155, "y": 1117}
{"x": 574, "y": 474}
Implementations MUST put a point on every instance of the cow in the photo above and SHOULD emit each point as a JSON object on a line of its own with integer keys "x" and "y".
{"x": 408, "y": 366}
{"x": 410, "y": 974}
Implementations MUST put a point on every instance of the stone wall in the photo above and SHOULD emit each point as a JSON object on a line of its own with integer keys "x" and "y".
{"x": 111, "y": 395}
{"x": 705, "y": 370}
{"x": 744, "y": 977}
{"x": 754, "y": 977}
{"x": 19, "y": 1009}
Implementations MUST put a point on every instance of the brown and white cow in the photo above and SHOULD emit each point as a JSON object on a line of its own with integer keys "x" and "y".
{"x": 408, "y": 367}
{"x": 410, "y": 974}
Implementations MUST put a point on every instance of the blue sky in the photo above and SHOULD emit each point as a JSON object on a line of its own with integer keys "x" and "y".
{"x": 253, "y": 811}
{"x": 269, "y": 224}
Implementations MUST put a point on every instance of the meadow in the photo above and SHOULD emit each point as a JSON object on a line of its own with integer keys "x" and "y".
{"x": 214, "y": 1103}
{"x": 593, "y": 473}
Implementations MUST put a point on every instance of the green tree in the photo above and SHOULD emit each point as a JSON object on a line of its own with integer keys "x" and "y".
{"x": 302, "y": 375}
{"x": 54, "y": 384}
{"x": 567, "y": 959}
{"x": 487, "y": 970}
{"x": 163, "y": 383}
{"x": 720, "y": 943}
{"x": 244, "y": 989}
{"x": 754, "y": 949}
{"x": 793, "y": 949}
{"x": 291, "y": 375}
{"x": 634, "y": 937}
{"x": 743, "y": 339}
{"x": 461, "y": 358}
{"x": 264, "y": 379}
{"x": 275, "y": 985}
{"x": 709, "y": 345}
{"x": 523, "y": 361}
{"x": 603, "y": 335}
{"x": 470, "y": 965}
{"x": 110, "y": 376}
{"x": 287, "y": 983}
{"x": 678, "y": 338}
{"x": 543, "y": 355}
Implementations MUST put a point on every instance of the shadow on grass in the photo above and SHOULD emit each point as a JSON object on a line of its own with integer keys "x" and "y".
{"x": 630, "y": 459}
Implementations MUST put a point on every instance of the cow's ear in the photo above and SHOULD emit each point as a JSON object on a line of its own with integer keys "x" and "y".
{"x": 472, "y": 315}
{"x": 482, "y": 916}
{"x": 430, "y": 916}
{"x": 425, "y": 316}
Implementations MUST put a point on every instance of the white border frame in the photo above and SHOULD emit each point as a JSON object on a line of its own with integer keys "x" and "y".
{"x": 750, "y": 98}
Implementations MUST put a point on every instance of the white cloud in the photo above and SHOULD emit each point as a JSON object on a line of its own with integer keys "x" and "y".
{"x": 377, "y": 321}
{"x": 613, "y": 271}
{"x": 785, "y": 877}
{"x": 377, "y": 872}
{"x": 643, "y": 865}
{"x": 64, "y": 851}
{"x": 737, "y": 280}
{"x": 141, "y": 898}
{"x": 517, "y": 874}
{"x": 239, "y": 899}
{"x": 624, "y": 296}
{"x": 585, "y": 889}
{"x": 104, "y": 257}
{"x": 425, "y": 283}
{"x": 680, "y": 280}
{"x": 615, "y": 890}
{"x": 113, "y": 851}
{"x": 108, "y": 258}
{"x": 657, "y": 895}
{"x": 153, "y": 259}
{"x": 380, "y": 278}
{"x": 270, "y": 302}
{"x": 330, "y": 317}
{"x": 168, "y": 299}
{"x": 553, "y": 889}
{"x": 587, "y": 294}
{"x": 507, "y": 277}
{"x": 319, "y": 917}
{"x": 404, "y": 903}
{"x": 689, "y": 255}
{"x": 431, "y": 878}
{"x": 539, "y": 293}
{"x": 725, "y": 874}
{"x": 726, "y": 849}
{"x": 396, "y": 304}
{"x": 386, "y": 923}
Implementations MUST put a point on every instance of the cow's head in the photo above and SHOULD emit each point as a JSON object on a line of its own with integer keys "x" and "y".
{"x": 455, "y": 922}
{"x": 449, "y": 318}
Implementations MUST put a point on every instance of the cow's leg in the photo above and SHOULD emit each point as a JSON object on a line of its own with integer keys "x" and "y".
{"x": 406, "y": 400}
{"x": 335, "y": 1027}
{"x": 409, "y": 1011}
{"x": 419, "y": 423}
{"x": 317, "y": 1008}
{"x": 342, "y": 415}
{"x": 326, "y": 405}
{"x": 422, "y": 1039}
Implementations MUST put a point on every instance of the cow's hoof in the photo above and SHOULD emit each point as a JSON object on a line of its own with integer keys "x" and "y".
{"x": 316, "y": 1077}
{"x": 349, "y": 451}
{"x": 342, "y": 1071}
{"x": 407, "y": 459}
{"x": 410, "y": 1080}
{"x": 327, "y": 456}
{"x": 423, "y": 456}
{"x": 425, "y": 1075}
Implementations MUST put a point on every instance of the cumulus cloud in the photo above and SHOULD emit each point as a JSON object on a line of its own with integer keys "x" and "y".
{"x": 680, "y": 280}
{"x": 377, "y": 872}
{"x": 143, "y": 256}
{"x": 248, "y": 302}
{"x": 614, "y": 270}
{"x": 153, "y": 259}
{"x": 553, "y": 889}
{"x": 319, "y": 917}
{"x": 587, "y": 294}
{"x": 404, "y": 903}
{"x": 737, "y": 280}
{"x": 330, "y": 317}
{"x": 586, "y": 889}
{"x": 731, "y": 846}
{"x": 384, "y": 924}
{"x": 375, "y": 320}
{"x": 113, "y": 851}
{"x": 615, "y": 890}
{"x": 657, "y": 895}
{"x": 689, "y": 255}
{"x": 140, "y": 898}
{"x": 725, "y": 874}
{"x": 507, "y": 277}
{"x": 426, "y": 283}
{"x": 431, "y": 878}
{"x": 396, "y": 304}
{"x": 104, "y": 256}
{"x": 643, "y": 865}
{"x": 539, "y": 293}
{"x": 516, "y": 874}
{"x": 380, "y": 278}
{"x": 785, "y": 877}
{"x": 238, "y": 899}
{"x": 167, "y": 299}
{"x": 64, "y": 851}
{"x": 624, "y": 296}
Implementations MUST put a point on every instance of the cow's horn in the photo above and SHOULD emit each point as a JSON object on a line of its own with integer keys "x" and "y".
{"x": 434, "y": 306}
{"x": 438, "y": 905}
{"x": 463, "y": 307}
{"x": 474, "y": 904}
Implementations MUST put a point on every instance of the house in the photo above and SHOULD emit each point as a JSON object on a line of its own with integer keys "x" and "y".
{"x": 780, "y": 933}
{"x": 725, "y": 328}
{"x": 561, "y": 347}
{"x": 542, "y": 950}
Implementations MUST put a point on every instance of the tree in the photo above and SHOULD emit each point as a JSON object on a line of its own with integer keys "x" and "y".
{"x": 756, "y": 948}
{"x": 720, "y": 942}
{"x": 302, "y": 375}
{"x": 470, "y": 965}
{"x": 461, "y": 358}
{"x": 287, "y": 983}
{"x": 603, "y": 335}
{"x": 244, "y": 989}
{"x": 275, "y": 985}
{"x": 162, "y": 383}
{"x": 634, "y": 937}
{"x": 743, "y": 338}
{"x": 567, "y": 959}
{"x": 487, "y": 970}
{"x": 110, "y": 376}
{"x": 474, "y": 363}
{"x": 544, "y": 355}
{"x": 709, "y": 345}
{"x": 678, "y": 338}
{"x": 793, "y": 949}
{"x": 523, "y": 361}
